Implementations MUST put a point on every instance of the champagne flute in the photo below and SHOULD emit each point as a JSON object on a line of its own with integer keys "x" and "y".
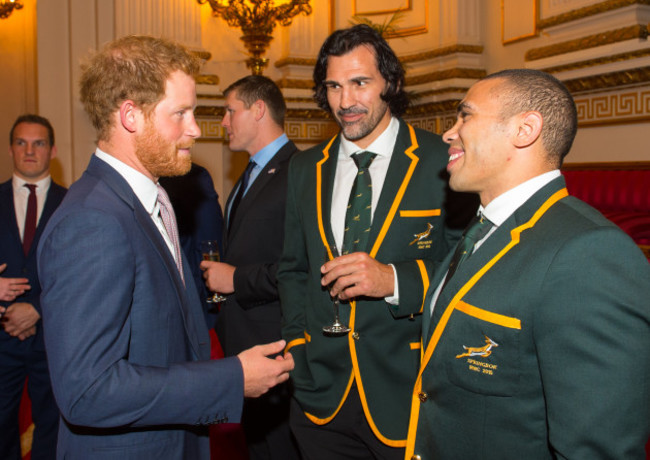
{"x": 337, "y": 328}
{"x": 210, "y": 251}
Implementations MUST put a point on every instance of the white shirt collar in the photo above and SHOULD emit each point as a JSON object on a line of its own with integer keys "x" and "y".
{"x": 502, "y": 207}
{"x": 382, "y": 146}
{"x": 42, "y": 185}
{"x": 142, "y": 186}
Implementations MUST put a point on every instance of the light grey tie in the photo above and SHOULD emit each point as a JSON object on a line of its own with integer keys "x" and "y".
{"x": 169, "y": 221}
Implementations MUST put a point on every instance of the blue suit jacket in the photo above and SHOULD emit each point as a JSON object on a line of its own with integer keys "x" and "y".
{"x": 20, "y": 265}
{"x": 126, "y": 340}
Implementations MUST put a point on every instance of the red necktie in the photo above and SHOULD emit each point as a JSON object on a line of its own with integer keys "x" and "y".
{"x": 30, "y": 219}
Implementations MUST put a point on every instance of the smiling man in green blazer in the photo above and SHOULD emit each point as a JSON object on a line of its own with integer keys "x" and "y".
{"x": 352, "y": 391}
{"x": 536, "y": 344}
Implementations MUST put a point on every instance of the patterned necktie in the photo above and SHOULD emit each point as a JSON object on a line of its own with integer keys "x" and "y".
{"x": 357, "y": 216}
{"x": 30, "y": 219}
{"x": 476, "y": 230}
{"x": 240, "y": 193}
{"x": 169, "y": 221}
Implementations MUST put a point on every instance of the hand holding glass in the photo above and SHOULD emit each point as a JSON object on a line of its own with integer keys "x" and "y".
{"x": 336, "y": 328}
{"x": 210, "y": 251}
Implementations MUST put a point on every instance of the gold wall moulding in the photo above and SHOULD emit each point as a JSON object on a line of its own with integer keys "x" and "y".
{"x": 207, "y": 79}
{"x": 295, "y": 83}
{"x": 591, "y": 41}
{"x": 306, "y": 131}
{"x": 205, "y": 55}
{"x": 614, "y": 108}
{"x": 598, "y": 62}
{"x": 446, "y": 75}
{"x": 7, "y": 7}
{"x": 441, "y": 52}
{"x": 585, "y": 12}
{"x": 257, "y": 20}
{"x": 310, "y": 62}
{"x": 609, "y": 80}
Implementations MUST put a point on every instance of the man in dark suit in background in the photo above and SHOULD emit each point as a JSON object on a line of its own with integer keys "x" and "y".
{"x": 199, "y": 218}
{"x": 536, "y": 341}
{"x": 129, "y": 349}
{"x": 26, "y": 203}
{"x": 352, "y": 392}
{"x": 254, "y": 235}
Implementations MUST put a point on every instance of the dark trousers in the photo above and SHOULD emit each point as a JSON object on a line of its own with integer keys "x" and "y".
{"x": 266, "y": 426}
{"x": 348, "y": 436}
{"x": 18, "y": 361}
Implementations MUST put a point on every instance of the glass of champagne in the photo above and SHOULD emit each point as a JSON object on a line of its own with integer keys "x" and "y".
{"x": 337, "y": 328}
{"x": 210, "y": 251}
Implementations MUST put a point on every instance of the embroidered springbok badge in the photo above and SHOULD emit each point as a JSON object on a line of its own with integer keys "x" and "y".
{"x": 423, "y": 235}
{"x": 483, "y": 351}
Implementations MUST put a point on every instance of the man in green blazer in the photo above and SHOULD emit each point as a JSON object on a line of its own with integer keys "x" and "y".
{"x": 352, "y": 391}
{"x": 536, "y": 346}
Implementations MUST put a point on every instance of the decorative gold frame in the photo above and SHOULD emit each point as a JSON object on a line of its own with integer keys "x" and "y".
{"x": 534, "y": 6}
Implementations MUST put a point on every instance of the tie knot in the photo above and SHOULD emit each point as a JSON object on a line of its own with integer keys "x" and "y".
{"x": 31, "y": 187}
{"x": 363, "y": 159}
{"x": 478, "y": 229}
{"x": 163, "y": 198}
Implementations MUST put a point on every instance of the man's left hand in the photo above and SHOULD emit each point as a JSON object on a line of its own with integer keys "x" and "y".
{"x": 358, "y": 274}
{"x": 19, "y": 320}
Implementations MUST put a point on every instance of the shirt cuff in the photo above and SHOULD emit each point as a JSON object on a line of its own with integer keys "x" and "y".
{"x": 394, "y": 299}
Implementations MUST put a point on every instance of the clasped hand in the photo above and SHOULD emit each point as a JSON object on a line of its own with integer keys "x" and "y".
{"x": 10, "y": 288}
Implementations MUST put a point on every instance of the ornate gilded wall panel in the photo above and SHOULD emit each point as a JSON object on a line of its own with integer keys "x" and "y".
{"x": 612, "y": 108}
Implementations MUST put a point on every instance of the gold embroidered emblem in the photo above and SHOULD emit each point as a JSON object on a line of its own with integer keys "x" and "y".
{"x": 483, "y": 351}
{"x": 423, "y": 235}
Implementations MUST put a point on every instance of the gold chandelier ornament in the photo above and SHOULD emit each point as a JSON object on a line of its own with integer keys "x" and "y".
{"x": 7, "y": 7}
{"x": 257, "y": 19}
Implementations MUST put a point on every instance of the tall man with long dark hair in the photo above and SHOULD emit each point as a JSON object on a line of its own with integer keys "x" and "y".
{"x": 352, "y": 389}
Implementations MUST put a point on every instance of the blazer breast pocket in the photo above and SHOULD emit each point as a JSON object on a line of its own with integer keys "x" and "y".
{"x": 419, "y": 228}
{"x": 482, "y": 351}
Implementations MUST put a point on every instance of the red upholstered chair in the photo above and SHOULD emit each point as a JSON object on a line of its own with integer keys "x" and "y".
{"x": 621, "y": 191}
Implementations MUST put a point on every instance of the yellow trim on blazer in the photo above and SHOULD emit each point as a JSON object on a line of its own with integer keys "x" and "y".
{"x": 323, "y": 421}
{"x": 454, "y": 304}
{"x": 425, "y": 281}
{"x": 488, "y": 316}
{"x": 400, "y": 193}
{"x": 421, "y": 213}
{"x": 356, "y": 374}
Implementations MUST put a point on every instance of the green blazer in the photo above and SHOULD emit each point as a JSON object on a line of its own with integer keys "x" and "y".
{"x": 538, "y": 345}
{"x": 382, "y": 353}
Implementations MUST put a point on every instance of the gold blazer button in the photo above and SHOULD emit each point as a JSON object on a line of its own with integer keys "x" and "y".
{"x": 423, "y": 396}
{"x": 416, "y": 457}
{"x": 355, "y": 335}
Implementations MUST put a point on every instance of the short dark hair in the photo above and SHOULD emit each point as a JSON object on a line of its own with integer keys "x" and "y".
{"x": 35, "y": 119}
{"x": 529, "y": 89}
{"x": 258, "y": 87}
{"x": 342, "y": 42}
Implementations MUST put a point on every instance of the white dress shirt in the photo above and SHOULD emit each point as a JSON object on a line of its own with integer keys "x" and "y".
{"x": 21, "y": 194}
{"x": 346, "y": 171}
{"x": 502, "y": 207}
{"x": 144, "y": 189}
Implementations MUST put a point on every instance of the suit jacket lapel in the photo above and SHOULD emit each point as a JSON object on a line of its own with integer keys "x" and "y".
{"x": 402, "y": 163}
{"x": 122, "y": 189}
{"x": 488, "y": 253}
{"x": 325, "y": 173}
{"x": 52, "y": 201}
{"x": 9, "y": 212}
{"x": 264, "y": 177}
